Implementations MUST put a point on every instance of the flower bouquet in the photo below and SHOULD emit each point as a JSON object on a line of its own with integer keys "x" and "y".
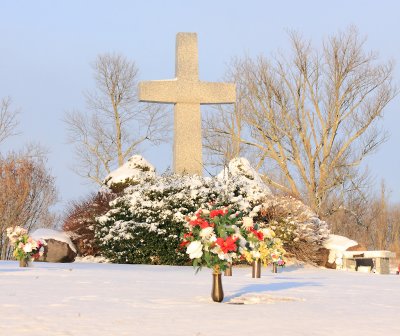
{"x": 260, "y": 243}
{"x": 211, "y": 239}
{"x": 25, "y": 248}
{"x": 277, "y": 255}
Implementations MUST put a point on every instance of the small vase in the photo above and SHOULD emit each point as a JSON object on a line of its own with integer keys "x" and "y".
{"x": 24, "y": 263}
{"x": 256, "y": 272}
{"x": 274, "y": 268}
{"x": 228, "y": 271}
{"x": 217, "y": 292}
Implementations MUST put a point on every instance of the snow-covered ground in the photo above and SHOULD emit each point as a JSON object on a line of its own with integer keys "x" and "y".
{"x": 108, "y": 299}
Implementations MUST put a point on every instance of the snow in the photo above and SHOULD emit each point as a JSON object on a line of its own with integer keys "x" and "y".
{"x": 135, "y": 170}
{"x": 241, "y": 167}
{"x": 91, "y": 259}
{"x": 110, "y": 299}
{"x": 337, "y": 245}
{"x": 53, "y": 234}
{"x": 370, "y": 254}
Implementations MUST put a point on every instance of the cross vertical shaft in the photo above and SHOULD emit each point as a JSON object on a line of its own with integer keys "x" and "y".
{"x": 187, "y": 154}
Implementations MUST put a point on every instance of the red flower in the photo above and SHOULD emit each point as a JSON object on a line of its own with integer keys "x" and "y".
{"x": 200, "y": 222}
{"x": 258, "y": 234}
{"x": 227, "y": 245}
{"x": 218, "y": 212}
{"x": 183, "y": 244}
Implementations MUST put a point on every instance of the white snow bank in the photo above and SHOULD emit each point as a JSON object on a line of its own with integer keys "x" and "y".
{"x": 53, "y": 234}
{"x": 135, "y": 170}
{"x": 337, "y": 245}
{"x": 91, "y": 259}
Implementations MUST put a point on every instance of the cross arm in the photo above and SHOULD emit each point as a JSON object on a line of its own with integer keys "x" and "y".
{"x": 216, "y": 93}
{"x": 163, "y": 91}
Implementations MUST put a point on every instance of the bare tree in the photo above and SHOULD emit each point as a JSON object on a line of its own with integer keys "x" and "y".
{"x": 312, "y": 116}
{"x": 115, "y": 124}
{"x": 8, "y": 120}
{"x": 27, "y": 191}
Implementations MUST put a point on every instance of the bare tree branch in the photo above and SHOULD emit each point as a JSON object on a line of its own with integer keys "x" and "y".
{"x": 115, "y": 125}
{"x": 8, "y": 121}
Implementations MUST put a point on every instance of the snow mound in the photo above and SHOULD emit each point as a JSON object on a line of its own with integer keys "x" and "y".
{"x": 261, "y": 299}
{"x": 92, "y": 259}
{"x": 134, "y": 171}
{"x": 338, "y": 243}
{"x": 53, "y": 234}
{"x": 336, "y": 246}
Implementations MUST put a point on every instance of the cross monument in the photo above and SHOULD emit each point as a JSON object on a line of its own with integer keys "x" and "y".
{"x": 187, "y": 92}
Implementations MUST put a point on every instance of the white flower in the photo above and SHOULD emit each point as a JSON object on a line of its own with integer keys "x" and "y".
{"x": 242, "y": 242}
{"x": 268, "y": 233}
{"x": 221, "y": 256}
{"x": 205, "y": 211}
{"x": 213, "y": 238}
{"x": 195, "y": 249}
{"x": 206, "y": 233}
{"x": 27, "y": 248}
{"x": 247, "y": 222}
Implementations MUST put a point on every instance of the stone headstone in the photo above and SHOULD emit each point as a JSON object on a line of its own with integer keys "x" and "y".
{"x": 57, "y": 252}
{"x": 58, "y": 248}
{"x": 187, "y": 92}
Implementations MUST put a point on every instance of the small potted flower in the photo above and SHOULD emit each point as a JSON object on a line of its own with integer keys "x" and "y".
{"x": 258, "y": 246}
{"x": 211, "y": 239}
{"x": 26, "y": 249}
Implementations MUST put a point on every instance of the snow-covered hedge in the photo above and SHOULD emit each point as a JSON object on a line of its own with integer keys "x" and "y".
{"x": 144, "y": 224}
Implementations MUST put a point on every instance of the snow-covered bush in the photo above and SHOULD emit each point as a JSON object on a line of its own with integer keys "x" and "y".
{"x": 295, "y": 224}
{"x": 144, "y": 225}
{"x": 145, "y": 222}
{"x": 134, "y": 171}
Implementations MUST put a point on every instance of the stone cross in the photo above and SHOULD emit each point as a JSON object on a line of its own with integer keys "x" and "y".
{"x": 187, "y": 92}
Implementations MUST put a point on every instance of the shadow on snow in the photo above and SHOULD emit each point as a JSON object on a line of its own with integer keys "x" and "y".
{"x": 273, "y": 287}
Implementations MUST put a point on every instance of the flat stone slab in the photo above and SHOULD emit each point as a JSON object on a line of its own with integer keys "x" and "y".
{"x": 369, "y": 254}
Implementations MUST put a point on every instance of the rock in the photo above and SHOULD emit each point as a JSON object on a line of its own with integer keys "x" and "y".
{"x": 57, "y": 251}
{"x": 59, "y": 247}
{"x": 322, "y": 257}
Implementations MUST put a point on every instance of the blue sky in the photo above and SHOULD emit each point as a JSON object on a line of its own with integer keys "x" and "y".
{"x": 46, "y": 48}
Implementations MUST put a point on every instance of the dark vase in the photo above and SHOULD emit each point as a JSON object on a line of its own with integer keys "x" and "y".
{"x": 256, "y": 272}
{"x": 23, "y": 263}
{"x": 274, "y": 268}
{"x": 228, "y": 271}
{"x": 217, "y": 292}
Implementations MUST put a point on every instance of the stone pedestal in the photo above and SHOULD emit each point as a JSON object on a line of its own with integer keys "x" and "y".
{"x": 382, "y": 265}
